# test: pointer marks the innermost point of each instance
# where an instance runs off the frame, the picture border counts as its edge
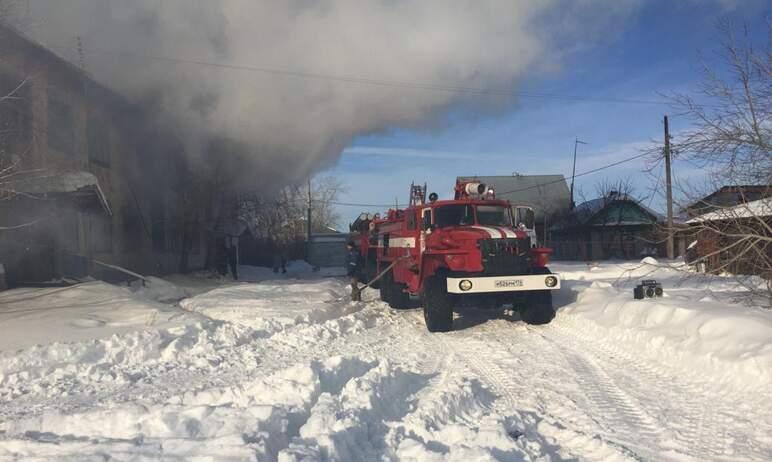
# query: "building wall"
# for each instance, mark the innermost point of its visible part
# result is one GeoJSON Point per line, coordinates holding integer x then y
{"type": "Point", "coordinates": [608, 242]}
{"type": "Point", "coordinates": [60, 105]}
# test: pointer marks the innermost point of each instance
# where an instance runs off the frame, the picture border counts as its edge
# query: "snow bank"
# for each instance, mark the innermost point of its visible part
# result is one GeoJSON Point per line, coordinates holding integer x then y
{"type": "Point", "coordinates": [699, 324]}
{"type": "Point", "coordinates": [272, 307]}
{"type": "Point", "coordinates": [85, 311]}
{"type": "Point", "coordinates": [62, 369]}
{"type": "Point", "coordinates": [340, 408]}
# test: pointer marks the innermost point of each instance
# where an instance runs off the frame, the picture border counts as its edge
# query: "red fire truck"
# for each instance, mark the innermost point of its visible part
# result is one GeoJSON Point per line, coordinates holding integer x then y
{"type": "Point", "coordinates": [474, 250]}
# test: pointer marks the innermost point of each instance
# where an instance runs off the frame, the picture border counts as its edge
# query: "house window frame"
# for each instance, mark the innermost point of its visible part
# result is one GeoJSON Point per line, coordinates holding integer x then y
{"type": "Point", "coordinates": [56, 139]}
{"type": "Point", "coordinates": [99, 155]}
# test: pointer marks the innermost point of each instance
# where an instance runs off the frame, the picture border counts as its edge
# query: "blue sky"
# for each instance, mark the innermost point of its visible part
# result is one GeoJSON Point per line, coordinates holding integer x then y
{"type": "Point", "coordinates": [656, 50]}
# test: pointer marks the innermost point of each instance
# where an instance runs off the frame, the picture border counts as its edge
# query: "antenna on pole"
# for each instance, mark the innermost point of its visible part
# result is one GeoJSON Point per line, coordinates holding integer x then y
{"type": "Point", "coordinates": [308, 212]}
{"type": "Point", "coordinates": [577, 142]}
{"type": "Point", "coordinates": [81, 55]}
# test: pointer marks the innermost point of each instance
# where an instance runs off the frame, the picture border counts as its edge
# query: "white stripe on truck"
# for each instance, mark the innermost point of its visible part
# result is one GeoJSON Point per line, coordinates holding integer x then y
{"type": "Point", "coordinates": [508, 232]}
{"type": "Point", "coordinates": [492, 232]}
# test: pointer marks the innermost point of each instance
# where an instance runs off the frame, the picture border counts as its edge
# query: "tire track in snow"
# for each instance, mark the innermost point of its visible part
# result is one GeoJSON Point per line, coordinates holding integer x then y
{"type": "Point", "coordinates": [543, 370]}
{"type": "Point", "coordinates": [622, 418]}
{"type": "Point", "coordinates": [642, 411]}
{"type": "Point", "coordinates": [696, 420]}
{"type": "Point", "coordinates": [517, 395]}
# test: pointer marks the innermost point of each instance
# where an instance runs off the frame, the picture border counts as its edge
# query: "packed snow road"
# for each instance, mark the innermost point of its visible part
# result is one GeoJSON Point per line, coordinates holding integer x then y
{"type": "Point", "coordinates": [290, 370]}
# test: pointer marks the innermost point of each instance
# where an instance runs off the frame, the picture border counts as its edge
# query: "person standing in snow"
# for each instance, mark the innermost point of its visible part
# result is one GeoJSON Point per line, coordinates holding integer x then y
{"type": "Point", "coordinates": [353, 269]}
{"type": "Point", "coordinates": [279, 261]}
{"type": "Point", "coordinates": [232, 249]}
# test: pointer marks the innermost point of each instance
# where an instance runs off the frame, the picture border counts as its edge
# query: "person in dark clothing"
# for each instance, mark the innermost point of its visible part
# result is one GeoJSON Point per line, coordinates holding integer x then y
{"type": "Point", "coordinates": [221, 256]}
{"type": "Point", "coordinates": [353, 269]}
{"type": "Point", "coordinates": [279, 258]}
{"type": "Point", "coordinates": [231, 245]}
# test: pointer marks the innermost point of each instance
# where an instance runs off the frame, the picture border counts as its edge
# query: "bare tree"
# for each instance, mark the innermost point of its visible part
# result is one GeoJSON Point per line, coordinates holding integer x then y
{"type": "Point", "coordinates": [730, 136]}
{"type": "Point", "coordinates": [14, 120]}
{"type": "Point", "coordinates": [735, 240]}
{"type": "Point", "coordinates": [609, 190]}
{"type": "Point", "coordinates": [282, 218]}
{"type": "Point", "coordinates": [731, 113]}
{"type": "Point", "coordinates": [324, 215]}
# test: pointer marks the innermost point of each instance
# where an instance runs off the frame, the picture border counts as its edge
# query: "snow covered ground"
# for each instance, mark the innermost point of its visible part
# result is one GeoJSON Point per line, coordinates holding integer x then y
{"type": "Point", "coordinates": [286, 368]}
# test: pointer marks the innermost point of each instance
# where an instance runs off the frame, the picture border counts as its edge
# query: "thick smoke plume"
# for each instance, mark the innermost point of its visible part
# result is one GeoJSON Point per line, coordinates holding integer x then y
{"type": "Point", "coordinates": [291, 82]}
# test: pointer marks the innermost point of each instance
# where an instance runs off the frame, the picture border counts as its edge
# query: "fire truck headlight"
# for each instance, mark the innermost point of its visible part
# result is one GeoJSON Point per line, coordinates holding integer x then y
{"type": "Point", "coordinates": [550, 281]}
{"type": "Point", "coordinates": [465, 285]}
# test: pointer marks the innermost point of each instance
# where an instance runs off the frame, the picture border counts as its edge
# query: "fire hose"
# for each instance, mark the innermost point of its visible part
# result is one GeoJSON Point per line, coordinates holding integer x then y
{"type": "Point", "coordinates": [378, 276]}
{"type": "Point", "coordinates": [382, 273]}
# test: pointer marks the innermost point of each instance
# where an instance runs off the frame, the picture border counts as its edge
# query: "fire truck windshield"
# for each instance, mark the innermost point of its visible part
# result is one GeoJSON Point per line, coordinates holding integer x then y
{"type": "Point", "coordinates": [493, 215]}
{"type": "Point", "coordinates": [462, 215]}
{"type": "Point", "coordinates": [453, 215]}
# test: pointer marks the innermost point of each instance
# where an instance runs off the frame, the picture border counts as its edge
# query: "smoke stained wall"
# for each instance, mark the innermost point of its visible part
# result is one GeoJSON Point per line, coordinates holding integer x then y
{"type": "Point", "coordinates": [290, 83]}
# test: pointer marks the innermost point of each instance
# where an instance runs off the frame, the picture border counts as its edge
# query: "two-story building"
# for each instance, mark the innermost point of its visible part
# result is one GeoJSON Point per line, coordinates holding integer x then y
{"type": "Point", "coordinates": [84, 178]}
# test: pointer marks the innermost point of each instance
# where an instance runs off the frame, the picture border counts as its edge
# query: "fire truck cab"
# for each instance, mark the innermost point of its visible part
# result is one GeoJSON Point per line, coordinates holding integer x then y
{"type": "Point", "coordinates": [473, 249]}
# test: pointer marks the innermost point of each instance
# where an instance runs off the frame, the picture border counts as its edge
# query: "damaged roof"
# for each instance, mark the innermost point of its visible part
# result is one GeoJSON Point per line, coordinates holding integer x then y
{"type": "Point", "coordinates": [79, 185]}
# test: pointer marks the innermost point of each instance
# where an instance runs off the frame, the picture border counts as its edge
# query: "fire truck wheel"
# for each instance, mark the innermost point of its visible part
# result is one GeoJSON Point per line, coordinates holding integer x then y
{"type": "Point", "coordinates": [385, 287]}
{"type": "Point", "coordinates": [538, 308]}
{"type": "Point", "coordinates": [437, 305]}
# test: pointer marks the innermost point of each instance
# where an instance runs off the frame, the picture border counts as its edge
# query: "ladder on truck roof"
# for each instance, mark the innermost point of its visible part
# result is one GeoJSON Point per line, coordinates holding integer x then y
{"type": "Point", "coordinates": [417, 194]}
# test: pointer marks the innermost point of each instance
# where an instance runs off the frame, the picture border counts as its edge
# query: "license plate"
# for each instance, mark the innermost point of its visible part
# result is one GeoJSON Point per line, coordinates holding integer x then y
{"type": "Point", "coordinates": [508, 283]}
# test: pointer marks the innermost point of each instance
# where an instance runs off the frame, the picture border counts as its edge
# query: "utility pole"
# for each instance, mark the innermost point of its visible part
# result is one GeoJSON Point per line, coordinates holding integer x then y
{"type": "Point", "coordinates": [577, 142]}
{"type": "Point", "coordinates": [308, 214]}
{"type": "Point", "coordinates": [669, 192]}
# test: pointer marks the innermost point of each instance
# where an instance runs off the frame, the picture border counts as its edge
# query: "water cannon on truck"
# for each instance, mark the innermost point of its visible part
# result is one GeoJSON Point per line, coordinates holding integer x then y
{"type": "Point", "coordinates": [474, 247]}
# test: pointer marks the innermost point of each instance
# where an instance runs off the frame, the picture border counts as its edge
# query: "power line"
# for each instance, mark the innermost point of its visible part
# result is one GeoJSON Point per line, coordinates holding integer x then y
{"type": "Point", "coordinates": [588, 172]}
{"type": "Point", "coordinates": [376, 82]}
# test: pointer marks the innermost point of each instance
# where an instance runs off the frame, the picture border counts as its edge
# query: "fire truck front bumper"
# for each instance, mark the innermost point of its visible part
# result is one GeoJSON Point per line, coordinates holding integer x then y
{"type": "Point", "coordinates": [478, 285]}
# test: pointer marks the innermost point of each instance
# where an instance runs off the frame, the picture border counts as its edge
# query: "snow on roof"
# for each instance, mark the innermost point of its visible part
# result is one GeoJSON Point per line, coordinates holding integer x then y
{"type": "Point", "coordinates": [586, 210]}
{"type": "Point", "coordinates": [59, 182]}
{"type": "Point", "coordinates": [56, 182]}
{"type": "Point", "coordinates": [759, 208]}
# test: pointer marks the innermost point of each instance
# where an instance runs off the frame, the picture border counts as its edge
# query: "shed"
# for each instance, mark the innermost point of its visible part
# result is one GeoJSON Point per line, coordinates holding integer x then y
{"type": "Point", "coordinates": [734, 239]}
{"type": "Point", "coordinates": [327, 250]}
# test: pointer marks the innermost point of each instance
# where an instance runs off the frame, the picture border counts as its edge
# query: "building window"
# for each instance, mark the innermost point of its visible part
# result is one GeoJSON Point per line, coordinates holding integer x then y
{"type": "Point", "coordinates": [98, 141]}
{"type": "Point", "coordinates": [61, 126]}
